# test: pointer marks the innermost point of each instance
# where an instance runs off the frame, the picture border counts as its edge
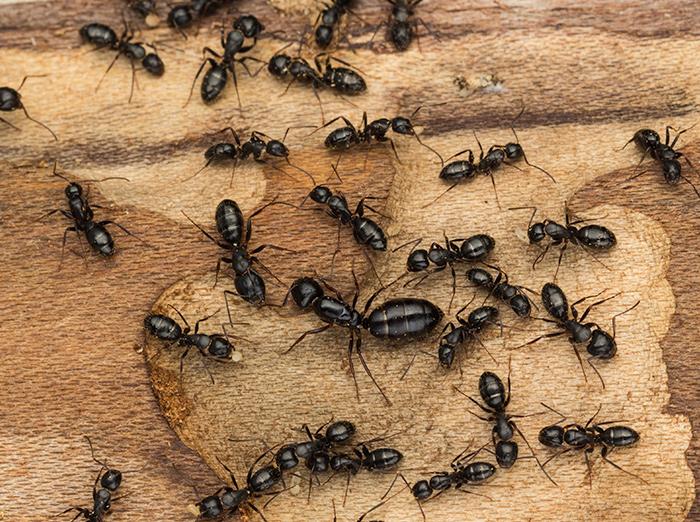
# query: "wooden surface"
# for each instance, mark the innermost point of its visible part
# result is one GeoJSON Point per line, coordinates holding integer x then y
{"type": "Point", "coordinates": [73, 360]}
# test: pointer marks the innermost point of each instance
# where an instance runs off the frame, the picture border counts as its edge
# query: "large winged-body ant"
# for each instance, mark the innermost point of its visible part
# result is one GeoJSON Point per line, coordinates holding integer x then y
{"type": "Point", "coordinates": [588, 237]}
{"type": "Point", "coordinates": [256, 147]}
{"type": "Point", "coordinates": [599, 343]}
{"type": "Point", "coordinates": [664, 153]}
{"type": "Point", "coordinates": [236, 233]}
{"type": "Point", "coordinates": [214, 346]}
{"type": "Point", "coordinates": [103, 36]}
{"type": "Point", "coordinates": [95, 232]}
{"type": "Point", "coordinates": [587, 438]}
{"type": "Point", "coordinates": [102, 499]}
{"type": "Point", "coordinates": [497, 155]}
{"type": "Point", "coordinates": [216, 77]}
{"type": "Point", "coordinates": [400, 319]}
{"type": "Point", "coordinates": [11, 100]}
{"type": "Point", "coordinates": [349, 136]}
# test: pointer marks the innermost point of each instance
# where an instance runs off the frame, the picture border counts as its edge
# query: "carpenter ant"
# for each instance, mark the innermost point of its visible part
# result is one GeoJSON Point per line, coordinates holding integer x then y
{"type": "Point", "coordinates": [587, 438]}
{"type": "Point", "coordinates": [216, 77]}
{"type": "Point", "coordinates": [349, 136]}
{"type": "Point", "coordinates": [103, 36]}
{"type": "Point", "coordinates": [102, 499]}
{"type": "Point", "coordinates": [499, 287]}
{"type": "Point", "coordinates": [227, 500]}
{"type": "Point", "coordinates": [231, 225]}
{"type": "Point", "coordinates": [328, 19]}
{"type": "Point", "coordinates": [96, 233]}
{"type": "Point", "coordinates": [11, 100]}
{"type": "Point", "coordinates": [496, 400]}
{"type": "Point", "coordinates": [402, 24]}
{"type": "Point", "coordinates": [497, 155]}
{"type": "Point", "coordinates": [338, 432]}
{"type": "Point", "coordinates": [213, 346]}
{"type": "Point", "coordinates": [650, 142]}
{"type": "Point", "coordinates": [473, 249]}
{"type": "Point", "coordinates": [257, 145]}
{"type": "Point", "coordinates": [184, 14]}
{"type": "Point", "coordinates": [343, 80]}
{"type": "Point", "coordinates": [143, 7]}
{"type": "Point", "coordinates": [477, 320]}
{"type": "Point", "coordinates": [593, 237]}
{"type": "Point", "coordinates": [399, 319]}
{"type": "Point", "coordinates": [599, 344]}
{"type": "Point", "coordinates": [463, 473]}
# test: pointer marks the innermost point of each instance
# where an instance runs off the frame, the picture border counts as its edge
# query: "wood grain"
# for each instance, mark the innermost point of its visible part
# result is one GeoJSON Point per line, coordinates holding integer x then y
{"type": "Point", "coordinates": [588, 78]}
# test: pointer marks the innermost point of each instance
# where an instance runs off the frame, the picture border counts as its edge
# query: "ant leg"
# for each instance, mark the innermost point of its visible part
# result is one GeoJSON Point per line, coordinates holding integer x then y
{"type": "Point", "coordinates": [484, 346]}
{"type": "Point", "coordinates": [590, 363]}
{"type": "Point", "coordinates": [384, 501]}
{"type": "Point", "coordinates": [133, 80]}
{"type": "Point", "coordinates": [182, 360]}
{"type": "Point", "coordinates": [454, 287]}
{"type": "Point", "coordinates": [541, 256]}
{"type": "Point", "coordinates": [587, 311]}
{"type": "Point", "coordinates": [635, 305]}
{"type": "Point", "coordinates": [493, 182]}
{"type": "Point", "coordinates": [207, 234]}
{"type": "Point", "coordinates": [563, 417]}
{"type": "Point", "coordinates": [471, 155]}
{"type": "Point", "coordinates": [351, 365]}
{"type": "Point", "coordinates": [604, 455]}
{"type": "Point", "coordinates": [545, 336]}
{"type": "Point", "coordinates": [414, 242]}
{"type": "Point", "coordinates": [393, 147]}
{"type": "Point", "coordinates": [561, 255]}
{"type": "Point", "coordinates": [534, 455]}
{"type": "Point", "coordinates": [336, 251]}
{"type": "Point", "coordinates": [309, 332]}
{"type": "Point", "coordinates": [196, 76]}
{"type": "Point", "coordinates": [580, 361]}
{"type": "Point", "coordinates": [445, 192]}
{"type": "Point", "coordinates": [26, 114]}
{"type": "Point", "coordinates": [374, 270]}
{"type": "Point", "coordinates": [126, 230]}
{"type": "Point", "coordinates": [63, 245]}
{"type": "Point", "coordinates": [108, 69]}
{"type": "Point", "coordinates": [358, 350]}
{"type": "Point", "coordinates": [673, 144]}
{"type": "Point", "coordinates": [17, 129]}
{"type": "Point", "coordinates": [474, 401]}
{"type": "Point", "coordinates": [691, 184]}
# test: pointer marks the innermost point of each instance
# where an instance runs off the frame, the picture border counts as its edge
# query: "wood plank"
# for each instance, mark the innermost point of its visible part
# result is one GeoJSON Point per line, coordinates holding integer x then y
{"type": "Point", "coordinates": [588, 77]}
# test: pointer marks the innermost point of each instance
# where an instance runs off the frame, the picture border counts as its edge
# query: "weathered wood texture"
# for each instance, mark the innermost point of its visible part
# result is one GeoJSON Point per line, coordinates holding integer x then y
{"type": "Point", "coordinates": [73, 360]}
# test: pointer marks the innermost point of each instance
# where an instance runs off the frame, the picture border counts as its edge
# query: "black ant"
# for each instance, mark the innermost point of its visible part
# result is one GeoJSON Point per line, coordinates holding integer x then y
{"type": "Point", "coordinates": [328, 19]}
{"type": "Point", "coordinates": [399, 319]}
{"type": "Point", "coordinates": [103, 36]}
{"type": "Point", "coordinates": [402, 24]}
{"type": "Point", "coordinates": [496, 400]}
{"type": "Point", "coordinates": [593, 237]}
{"type": "Point", "coordinates": [349, 136]}
{"type": "Point", "coordinates": [215, 346]}
{"type": "Point", "coordinates": [340, 79]}
{"type": "Point", "coordinates": [143, 7]}
{"type": "Point", "coordinates": [574, 437]}
{"type": "Point", "coordinates": [473, 249]}
{"type": "Point", "coordinates": [184, 14]}
{"type": "Point", "coordinates": [102, 499]}
{"type": "Point", "coordinates": [95, 232]}
{"type": "Point", "coordinates": [501, 289]}
{"type": "Point", "coordinates": [650, 142]}
{"type": "Point", "coordinates": [497, 155]}
{"type": "Point", "coordinates": [463, 473]}
{"type": "Point", "coordinates": [11, 100]}
{"type": "Point", "coordinates": [599, 343]}
{"type": "Point", "coordinates": [216, 77]}
{"type": "Point", "coordinates": [227, 500]}
{"type": "Point", "coordinates": [467, 330]}
{"type": "Point", "coordinates": [257, 145]}
{"type": "Point", "coordinates": [230, 223]}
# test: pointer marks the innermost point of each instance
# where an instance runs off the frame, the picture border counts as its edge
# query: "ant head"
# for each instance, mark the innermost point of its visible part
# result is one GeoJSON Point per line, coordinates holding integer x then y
{"type": "Point", "coordinates": [73, 190]}
{"type": "Point", "coordinates": [180, 16]}
{"type": "Point", "coordinates": [221, 349]}
{"type": "Point", "coordinates": [305, 291]}
{"type": "Point", "coordinates": [153, 64]}
{"type": "Point", "coordinates": [234, 42]}
{"type": "Point", "coordinates": [602, 345]}
{"type": "Point", "coordinates": [646, 138]}
{"type": "Point", "coordinates": [552, 436]}
{"type": "Point", "coordinates": [402, 125]}
{"type": "Point", "coordinates": [277, 148]}
{"type": "Point", "coordinates": [111, 479]}
{"type": "Point", "coordinates": [446, 355]}
{"type": "Point", "coordinates": [513, 151]}
{"type": "Point", "coordinates": [210, 507]}
{"type": "Point", "coordinates": [418, 260]}
{"type": "Point", "coordinates": [320, 194]}
{"type": "Point", "coordinates": [480, 277]}
{"type": "Point", "coordinates": [279, 65]}
{"type": "Point", "coordinates": [9, 99]}
{"type": "Point", "coordinates": [248, 25]}
{"type": "Point", "coordinates": [536, 232]}
{"type": "Point", "coordinates": [421, 490]}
